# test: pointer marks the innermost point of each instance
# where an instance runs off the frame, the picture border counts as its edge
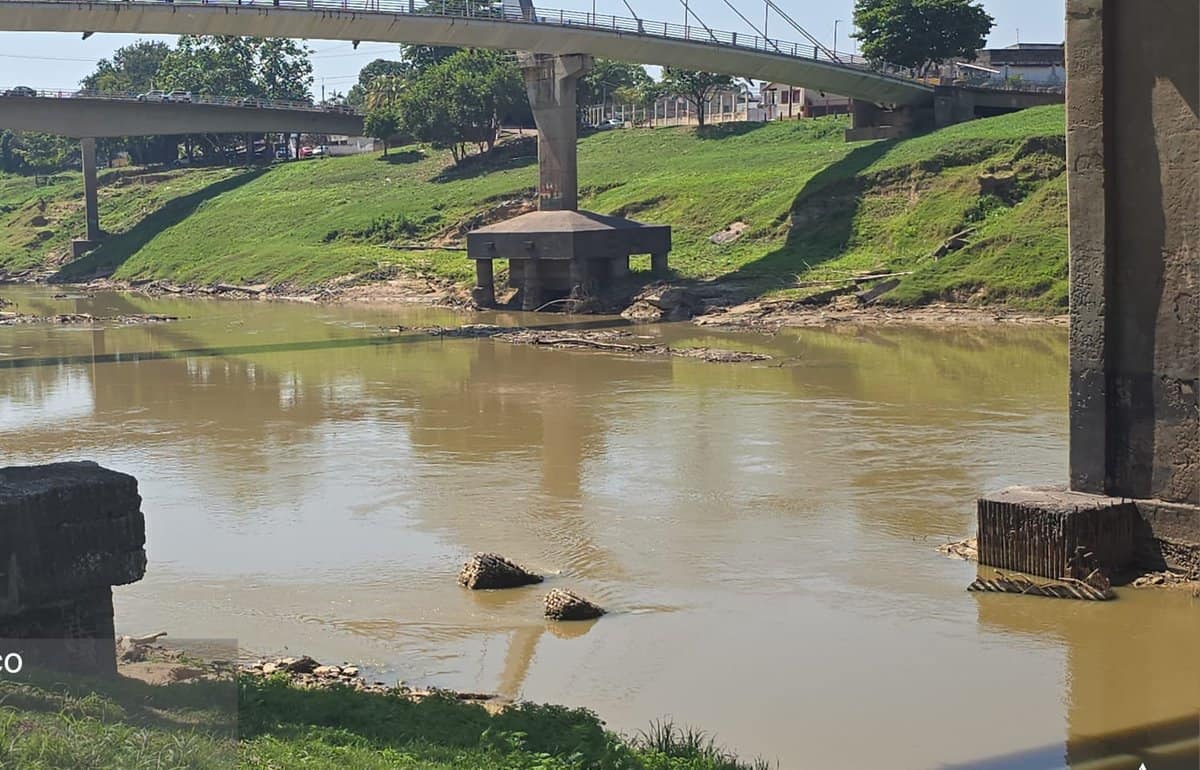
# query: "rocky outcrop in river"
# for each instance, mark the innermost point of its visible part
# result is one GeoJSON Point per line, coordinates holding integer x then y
{"type": "Point", "coordinates": [562, 604]}
{"type": "Point", "coordinates": [491, 570]}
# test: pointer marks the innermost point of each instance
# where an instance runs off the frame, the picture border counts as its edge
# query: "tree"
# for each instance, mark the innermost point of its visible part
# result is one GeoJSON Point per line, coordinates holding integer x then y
{"type": "Point", "coordinates": [607, 77]}
{"type": "Point", "coordinates": [378, 68]}
{"type": "Point", "coordinates": [917, 33]}
{"type": "Point", "coordinates": [461, 101]}
{"type": "Point", "coordinates": [385, 92]}
{"type": "Point", "coordinates": [285, 70]}
{"type": "Point", "coordinates": [697, 87]}
{"type": "Point", "coordinates": [383, 124]}
{"type": "Point", "coordinates": [132, 69]}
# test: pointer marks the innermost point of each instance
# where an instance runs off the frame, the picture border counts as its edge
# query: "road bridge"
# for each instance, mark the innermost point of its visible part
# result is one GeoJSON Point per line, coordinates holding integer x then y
{"type": "Point", "coordinates": [99, 116]}
{"type": "Point", "coordinates": [90, 116]}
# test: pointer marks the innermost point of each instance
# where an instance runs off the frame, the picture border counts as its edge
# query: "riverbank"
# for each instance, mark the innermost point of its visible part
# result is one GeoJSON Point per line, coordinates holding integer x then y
{"type": "Point", "coordinates": [169, 709]}
{"type": "Point", "coordinates": [973, 214]}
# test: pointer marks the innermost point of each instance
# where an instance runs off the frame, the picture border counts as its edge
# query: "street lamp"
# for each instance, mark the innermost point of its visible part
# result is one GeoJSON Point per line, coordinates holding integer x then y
{"type": "Point", "coordinates": [836, 22]}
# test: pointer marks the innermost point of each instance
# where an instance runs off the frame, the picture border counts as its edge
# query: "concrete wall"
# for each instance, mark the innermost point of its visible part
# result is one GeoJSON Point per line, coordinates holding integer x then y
{"type": "Point", "coordinates": [110, 118]}
{"type": "Point", "coordinates": [259, 21]}
{"type": "Point", "coordinates": [1133, 147]}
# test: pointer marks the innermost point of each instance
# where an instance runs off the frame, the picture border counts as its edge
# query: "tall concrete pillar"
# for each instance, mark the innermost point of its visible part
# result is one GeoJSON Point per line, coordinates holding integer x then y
{"type": "Point", "coordinates": [1133, 145]}
{"type": "Point", "coordinates": [1133, 155]}
{"type": "Point", "coordinates": [90, 199]}
{"type": "Point", "coordinates": [551, 84]}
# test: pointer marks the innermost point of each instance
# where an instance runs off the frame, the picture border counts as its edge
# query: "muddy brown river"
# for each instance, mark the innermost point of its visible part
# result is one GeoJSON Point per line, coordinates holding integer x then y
{"type": "Point", "coordinates": [763, 533]}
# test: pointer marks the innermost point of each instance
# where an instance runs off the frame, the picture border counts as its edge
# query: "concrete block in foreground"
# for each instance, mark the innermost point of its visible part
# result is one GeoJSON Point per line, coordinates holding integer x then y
{"type": "Point", "coordinates": [68, 533]}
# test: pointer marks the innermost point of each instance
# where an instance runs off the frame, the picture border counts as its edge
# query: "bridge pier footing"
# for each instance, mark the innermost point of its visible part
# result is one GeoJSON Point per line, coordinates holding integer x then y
{"type": "Point", "coordinates": [1133, 159]}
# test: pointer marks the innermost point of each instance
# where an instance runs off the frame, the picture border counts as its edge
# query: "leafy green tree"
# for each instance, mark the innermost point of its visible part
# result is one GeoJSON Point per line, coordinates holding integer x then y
{"type": "Point", "coordinates": [917, 33]}
{"type": "Point", "coordinates": [460, 101]}
{"type": "Point", "coordinates": [607, 77]}
{"type": "Point", "coordinates": [132, 68]}
{"type": "Point", "coordinates": [697, 87]}
{"type": "Point", "coordinates": [385, 92]}
{"type": "Point", "coordinates": [378, 68]}
{"type": "Point", "coordinates": [274, 68]}
{"type": "Point", "coordinates": [384, 125]}
{"type": "Point", "coordinates": [285, 70]}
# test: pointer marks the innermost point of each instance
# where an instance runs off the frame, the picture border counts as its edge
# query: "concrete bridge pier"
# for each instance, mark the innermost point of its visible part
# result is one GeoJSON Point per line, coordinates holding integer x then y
{"type": "Point", "coordinates": [552, 82]}
{"type": "Point", "coordinates": [559, 252]}
{"type": "Point", "coordinates": [91, 202]}
{"type": "Point", "coordinates": [1133, 155]}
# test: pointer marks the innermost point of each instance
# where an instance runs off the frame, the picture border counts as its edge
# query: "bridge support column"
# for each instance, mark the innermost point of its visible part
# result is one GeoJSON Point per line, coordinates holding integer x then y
{"type": "Point", "coordinates": [484, 292]}
{"type": "Point", "coordinates": [91, 202]}
{"type": "Point", "coordinates": [551, 83]}
{"type": "Point", "coordinates": [1133, 155]}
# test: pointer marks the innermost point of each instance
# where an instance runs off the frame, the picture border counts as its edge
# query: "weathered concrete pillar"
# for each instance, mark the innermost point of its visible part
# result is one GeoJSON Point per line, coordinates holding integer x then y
{"type": "Point", "coordinates": [68, 533]}
{"type": "Point", "coordinates": [551, 83]}
{"type": "Point", "coordinates": [620, 267]}
{"type": "Point", "coordinates": [658, 264]}
{"type": "Point", "coordinates": [90, 185]}
{"type": "Point", "coordinates": [1133, 154]}
{"type": "Point", "coordinates": [531, 288]}
{"type": "Point", "coordinates": [484, 292]}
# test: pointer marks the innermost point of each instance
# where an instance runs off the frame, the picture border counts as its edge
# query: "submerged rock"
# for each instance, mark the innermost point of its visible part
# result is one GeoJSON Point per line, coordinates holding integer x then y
{"type": "Point", "coordinates": [491, 570]}
{"type": "Point", "coordinates": [562, 604]}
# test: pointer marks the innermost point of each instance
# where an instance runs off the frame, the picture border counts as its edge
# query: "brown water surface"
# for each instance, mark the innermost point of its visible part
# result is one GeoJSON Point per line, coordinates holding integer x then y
{"type": "Point", "coordinates": [764, 534]}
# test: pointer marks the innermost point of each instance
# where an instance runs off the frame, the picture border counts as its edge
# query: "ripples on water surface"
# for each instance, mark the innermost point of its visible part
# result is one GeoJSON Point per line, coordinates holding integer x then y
{"type": "Point", "coordinates": [764, 533]}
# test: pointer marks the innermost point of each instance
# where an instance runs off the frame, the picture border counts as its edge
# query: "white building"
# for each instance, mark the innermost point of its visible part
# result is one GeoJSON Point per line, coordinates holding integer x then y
{"type": "Point", "coordinates": [781, 101]}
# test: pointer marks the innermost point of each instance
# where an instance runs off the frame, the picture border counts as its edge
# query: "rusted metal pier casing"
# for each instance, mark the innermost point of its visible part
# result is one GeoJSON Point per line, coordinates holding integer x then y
{"type": "Point", "coordinates": [1036, 530]}
{"type": "Point", "coordinates": [68, 533]}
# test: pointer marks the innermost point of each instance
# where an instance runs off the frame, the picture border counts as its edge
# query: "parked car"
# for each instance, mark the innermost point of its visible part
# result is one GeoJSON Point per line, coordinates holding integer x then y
{"type": "Point", "coordinates": [179, 97]}
{"type": "Point", "coordinates": [24, 91]}
{"type": "Point", "coordinates": [306, 152]}
{"type": "Point", "coordinates": [153, 96]}
{"type": "Point", "coordinates": [320, 151]}
{"type": "Point", "coordinates": [611, 123]}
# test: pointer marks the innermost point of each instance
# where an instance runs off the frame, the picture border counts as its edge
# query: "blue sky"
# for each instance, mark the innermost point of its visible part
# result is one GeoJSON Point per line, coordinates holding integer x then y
{"type": "Point", "coordinates": [58, 61]}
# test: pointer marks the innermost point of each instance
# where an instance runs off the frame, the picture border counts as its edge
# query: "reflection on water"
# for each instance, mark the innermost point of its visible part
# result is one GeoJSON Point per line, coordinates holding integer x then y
{"type": "Point", "coordinates": [763, 534]}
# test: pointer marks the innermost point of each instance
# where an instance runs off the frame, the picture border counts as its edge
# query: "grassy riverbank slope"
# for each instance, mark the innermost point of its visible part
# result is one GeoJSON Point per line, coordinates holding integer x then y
{"type": "Point", "coordinates": [270, 724]}
{"type": "Point", "coordinates": [815, 209]}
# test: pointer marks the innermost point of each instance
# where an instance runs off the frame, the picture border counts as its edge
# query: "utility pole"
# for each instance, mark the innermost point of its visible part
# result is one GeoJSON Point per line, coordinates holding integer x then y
{"type": "Point", "coordinates": [766, 18]}
{"type": "Point", "coordinates": [836, 22]}
{"type": "Point", "coordinates": [685, 19]}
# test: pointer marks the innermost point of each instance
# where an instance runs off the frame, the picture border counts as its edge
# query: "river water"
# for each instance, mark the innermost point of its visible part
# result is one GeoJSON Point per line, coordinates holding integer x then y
{"type": "Point", "coordinates": [764, 534]}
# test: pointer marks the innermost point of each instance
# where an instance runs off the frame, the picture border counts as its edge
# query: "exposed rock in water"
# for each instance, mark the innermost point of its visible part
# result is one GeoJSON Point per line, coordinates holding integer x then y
{"type": "Point", "coordinates": [490, 570]}
{"type": "Point", "coordinates": [562, 604]}
{"type": "Point", "coordinates": [612, 341]}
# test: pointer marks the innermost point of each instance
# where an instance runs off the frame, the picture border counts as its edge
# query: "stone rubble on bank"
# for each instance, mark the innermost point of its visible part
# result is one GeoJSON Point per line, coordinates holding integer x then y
{"type": "Point", "coordinates": [306, 672]}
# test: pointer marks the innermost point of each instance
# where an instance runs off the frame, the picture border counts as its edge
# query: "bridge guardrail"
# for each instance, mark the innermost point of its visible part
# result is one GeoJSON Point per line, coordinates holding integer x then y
{"type": "Point", "coordinates": [253, 102]}
{"type": "Point", "coordinates": [499, 10]}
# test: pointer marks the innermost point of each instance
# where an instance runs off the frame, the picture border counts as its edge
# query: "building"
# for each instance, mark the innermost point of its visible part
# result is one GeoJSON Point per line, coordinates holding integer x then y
{"type": "Point", "coordinates": [1032, 63]}
{"type": "Point", "coordinates": [781, 101]}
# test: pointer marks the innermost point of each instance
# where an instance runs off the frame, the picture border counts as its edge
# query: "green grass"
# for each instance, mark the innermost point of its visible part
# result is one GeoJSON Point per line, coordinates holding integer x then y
{"type": "Point", "coordinates": [128, 725]}
{"type": "Point", "coordinates": [817, 209]}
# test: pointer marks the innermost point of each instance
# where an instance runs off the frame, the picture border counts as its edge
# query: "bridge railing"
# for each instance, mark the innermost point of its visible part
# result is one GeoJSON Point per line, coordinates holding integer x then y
{"type": "Point", "coordinates": [251, 102]}
{"type": "Point", "coordinates": [509, 11]}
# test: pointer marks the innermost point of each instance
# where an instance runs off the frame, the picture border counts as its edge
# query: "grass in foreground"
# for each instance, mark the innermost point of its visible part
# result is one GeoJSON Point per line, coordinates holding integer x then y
{"type": "Point", "coordinates": [816, 207]}
{"type": "Point", "coordinates": [130, 725]}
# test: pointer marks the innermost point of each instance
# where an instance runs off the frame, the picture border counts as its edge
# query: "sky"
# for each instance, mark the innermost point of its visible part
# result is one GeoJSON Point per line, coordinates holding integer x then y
{"type": "Point", "coordinates": [58, 61]}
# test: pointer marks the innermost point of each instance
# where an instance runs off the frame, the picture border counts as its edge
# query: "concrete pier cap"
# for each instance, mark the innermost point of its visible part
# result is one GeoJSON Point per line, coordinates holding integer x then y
{"type": "Point", "coordinates": [1133, 158]}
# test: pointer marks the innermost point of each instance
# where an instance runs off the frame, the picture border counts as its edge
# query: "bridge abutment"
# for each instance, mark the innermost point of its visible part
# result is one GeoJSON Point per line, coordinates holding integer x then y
{"type": "Point", "coordinates": [1133, 154]}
